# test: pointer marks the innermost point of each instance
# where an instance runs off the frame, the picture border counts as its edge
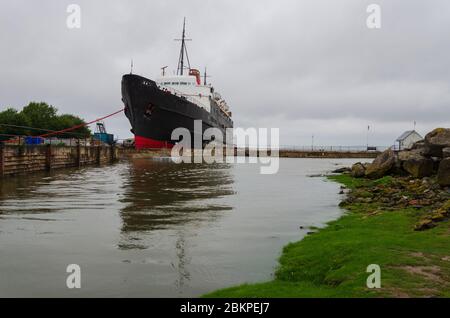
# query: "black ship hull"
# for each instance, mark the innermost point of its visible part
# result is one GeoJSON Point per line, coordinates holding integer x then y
{"type": "Point", "coordinates": [154, 113]}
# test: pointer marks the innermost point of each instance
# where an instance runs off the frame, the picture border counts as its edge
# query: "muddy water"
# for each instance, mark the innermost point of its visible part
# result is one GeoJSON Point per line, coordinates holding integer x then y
{"type": "Point", "coordinates": [145, 228]}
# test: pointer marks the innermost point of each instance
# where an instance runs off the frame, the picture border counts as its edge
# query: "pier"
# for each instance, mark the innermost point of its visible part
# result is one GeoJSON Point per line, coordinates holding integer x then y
{"type": "Point", "coordinates": [331, 154]}
{"type": "Point", "coordinates": [335, 152]}
{"type": "Point", "coordinates": [23, 159]}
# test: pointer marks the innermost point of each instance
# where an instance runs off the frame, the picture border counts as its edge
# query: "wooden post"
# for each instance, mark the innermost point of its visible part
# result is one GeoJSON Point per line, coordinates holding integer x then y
{"type": "Point", "coordinates": [99, 149]}
{"type": "Point", "coordinates": [112, 154]}
{"type": "Point", "coordinates": [78, 154]}
{"type": "Point", "coordinates": [86, 152]}
{"type": "Point", "coordinates": [2, 159]}
{"type": "Point", "coordinates": [48, 157]}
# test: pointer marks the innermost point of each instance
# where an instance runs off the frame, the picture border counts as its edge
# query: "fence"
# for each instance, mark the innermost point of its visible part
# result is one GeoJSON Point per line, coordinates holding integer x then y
{"type": "Point", "coordinates": [333, 148]}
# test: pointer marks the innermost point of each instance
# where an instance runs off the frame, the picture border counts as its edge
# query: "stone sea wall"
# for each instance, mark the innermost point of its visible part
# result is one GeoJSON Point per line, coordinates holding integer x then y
{"type": "Point", "coordinates": [27, 159]}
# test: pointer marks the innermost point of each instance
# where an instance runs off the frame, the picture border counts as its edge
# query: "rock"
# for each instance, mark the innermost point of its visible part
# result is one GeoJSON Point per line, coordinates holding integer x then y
{"type": "Point", "coordinates": [424, 225]}
{"type": "Point", "coordinates": [438, 215]}
{"type": "Point", "coordinates": [358, 170]}
{"type": "Point", "coordinates": [405, 155]}
{"type": "Point", "coordinates": [418, 145]}
{"type": "Point", "coordinates": [443, 176]}
{"type": "Point", "coordinates": [446, 152]}
{"type": "Point", "coordinates": [342, 170]}
{"type": "Point", "coordinates": [419, 167]}
{"type": "Point", "coordinates": [436, 141]}
{"type": "Point", "coordinates": [413, 162]}
{"type": "Point", "coordinates": [381, 165]}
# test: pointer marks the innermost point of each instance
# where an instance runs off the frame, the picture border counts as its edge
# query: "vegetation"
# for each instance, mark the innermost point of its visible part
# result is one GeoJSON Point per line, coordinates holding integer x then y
{"type": "Point", "coordinates": [42, 118]}
{"type": "Point", "coordinates": [333, 261]}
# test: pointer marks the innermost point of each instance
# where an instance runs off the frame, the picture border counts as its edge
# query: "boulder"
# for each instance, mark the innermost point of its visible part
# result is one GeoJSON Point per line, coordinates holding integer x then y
{"type": "Point", "coordinates": [436, 162]}
{"type": "Point", "coordinates": [381, 165]}
{"type": "Point", "coordinates": [443, 176]}
{"type": "Point", "coordinates": [446, 152]}
{"type": "Point", "coordinates": [358, 170]}
{"type": "Point", "coordinates": [418, 145]}
{"type": "Point", "coordinates": [436, 141]}
{"type": "Point", "coordinates": [415, 164]}
{"type": "Point", "coordinates": [405, 155]}
{"type": "Point", "coordinates": [419, 167]}
{"type": "Point", "coordinates": [424, 225]}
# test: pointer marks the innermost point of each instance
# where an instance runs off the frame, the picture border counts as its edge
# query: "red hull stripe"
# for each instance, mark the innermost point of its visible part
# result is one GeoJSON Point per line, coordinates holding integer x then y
{"type": "Point", "coordinates": [147, 143]}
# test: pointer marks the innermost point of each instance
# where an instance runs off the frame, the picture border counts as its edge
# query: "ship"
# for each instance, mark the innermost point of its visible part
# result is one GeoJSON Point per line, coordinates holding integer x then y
{"type": "Point", "coordinates": [155, 108]}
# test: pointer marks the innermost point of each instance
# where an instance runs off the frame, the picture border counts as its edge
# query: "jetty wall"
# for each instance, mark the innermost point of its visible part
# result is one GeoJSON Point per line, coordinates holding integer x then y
{"type": "Point", "coordinates": [325, 154]}
{"type": "Point", "coordinates": [329, 154]}
{"type": "Point", "coordinates": [32, 158]}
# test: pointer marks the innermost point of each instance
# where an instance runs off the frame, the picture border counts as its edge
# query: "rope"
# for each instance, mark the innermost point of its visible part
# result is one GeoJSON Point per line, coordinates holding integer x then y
{"type": "Point", "coordinates": [81, 125]}
{"type": "Point", "coordinates": [37, 129]}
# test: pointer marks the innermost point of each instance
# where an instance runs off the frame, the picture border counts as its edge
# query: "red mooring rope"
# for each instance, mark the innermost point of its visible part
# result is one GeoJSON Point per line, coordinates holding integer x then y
{"type": "Point", "coordinates": [82, 125]}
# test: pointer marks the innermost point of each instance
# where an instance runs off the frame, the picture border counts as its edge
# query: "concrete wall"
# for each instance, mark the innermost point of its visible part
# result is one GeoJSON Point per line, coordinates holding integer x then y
{"type": "Point", "coordinates": [27, 159]}
{"type": "Point", "coordinates": [329, 154]}
{"type": "Point", "coordinates": [144, 153]}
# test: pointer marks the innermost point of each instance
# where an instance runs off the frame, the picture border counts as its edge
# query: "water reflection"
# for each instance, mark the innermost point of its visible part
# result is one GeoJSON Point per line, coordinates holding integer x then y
{"type": "Point", "coordinates": [88, 189]}
{"type": "Point", "coordinates": [184, 275]}
{"type": "Point", "coordinates": [162, 195]}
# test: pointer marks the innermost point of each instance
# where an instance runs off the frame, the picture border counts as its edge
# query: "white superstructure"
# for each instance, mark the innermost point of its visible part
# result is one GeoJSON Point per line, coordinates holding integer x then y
{"type": "Point", "coordinates": [190, 87]}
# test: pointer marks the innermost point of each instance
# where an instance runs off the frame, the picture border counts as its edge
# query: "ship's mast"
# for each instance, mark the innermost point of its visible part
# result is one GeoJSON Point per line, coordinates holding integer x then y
{"type": "Point", "coordinates": [205, 76]}
{"type": "Point", "coordinates": [183, 51]}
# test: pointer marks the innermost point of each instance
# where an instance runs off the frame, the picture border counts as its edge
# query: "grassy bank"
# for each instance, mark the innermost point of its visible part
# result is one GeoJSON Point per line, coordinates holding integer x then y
{"type": "Point", "coordinates": [333, 261]}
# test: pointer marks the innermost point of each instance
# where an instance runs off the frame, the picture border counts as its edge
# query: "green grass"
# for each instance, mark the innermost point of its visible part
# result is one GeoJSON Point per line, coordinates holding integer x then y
{"type": "Point", "coordinates": [333, 262]}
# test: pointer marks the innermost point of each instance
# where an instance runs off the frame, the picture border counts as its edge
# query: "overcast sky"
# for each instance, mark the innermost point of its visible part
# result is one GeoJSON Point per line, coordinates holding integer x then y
{"type": "Point", "coordinates": [309, 67]}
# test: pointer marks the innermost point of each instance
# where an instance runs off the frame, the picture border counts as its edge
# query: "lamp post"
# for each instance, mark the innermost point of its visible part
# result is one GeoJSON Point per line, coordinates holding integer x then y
{"type": "Point", "coordinates": [367, 137]}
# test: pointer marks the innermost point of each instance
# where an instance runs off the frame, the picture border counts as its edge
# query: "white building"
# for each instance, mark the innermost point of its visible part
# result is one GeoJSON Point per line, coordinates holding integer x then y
{"type": "Point", "coordinates": [408, 139]}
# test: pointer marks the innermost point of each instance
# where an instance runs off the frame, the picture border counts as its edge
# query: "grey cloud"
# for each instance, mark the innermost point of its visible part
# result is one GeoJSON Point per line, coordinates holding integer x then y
{"type": "Point", "coordinates": [308, 67]}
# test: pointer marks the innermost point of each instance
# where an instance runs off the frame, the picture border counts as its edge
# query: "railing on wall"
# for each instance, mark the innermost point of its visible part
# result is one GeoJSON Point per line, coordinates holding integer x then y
{"type": "Point", "coordinates": [333, 148]}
